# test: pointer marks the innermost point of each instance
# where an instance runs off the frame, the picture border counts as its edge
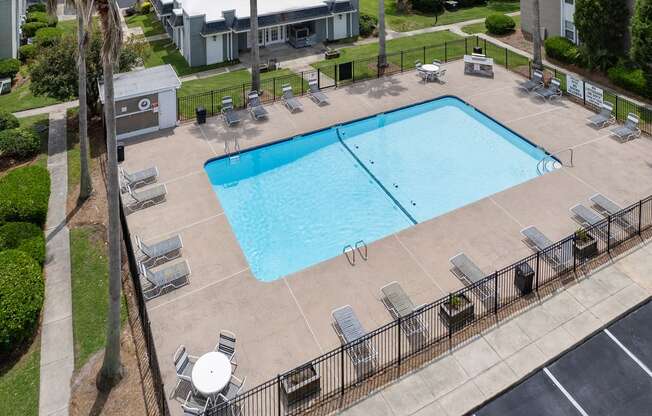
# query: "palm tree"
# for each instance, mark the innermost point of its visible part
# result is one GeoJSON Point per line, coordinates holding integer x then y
{"type": "Point", "coordinates": [382, 53]}
{"type": "Point", "coordinates": [111, 371]}
{"type": "Point", "coordinates": [536, 35]}
{"type": "Point", "coordinates": [255, 52]}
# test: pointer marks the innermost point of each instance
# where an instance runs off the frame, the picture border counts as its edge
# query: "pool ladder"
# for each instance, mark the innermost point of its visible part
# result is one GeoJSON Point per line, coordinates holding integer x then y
{"type": "Point", "coordinates": [349, 251]}
{"type": "Point", "coordinates": [234, 156]}
{"type": "Point", "coordinates": [542, 165]}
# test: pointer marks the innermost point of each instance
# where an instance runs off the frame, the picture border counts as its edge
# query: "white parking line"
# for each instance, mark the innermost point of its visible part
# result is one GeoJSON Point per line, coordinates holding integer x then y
{"type": "Point", "coordinates": [565, 392]}
{"type": "Point", "coordinates": [628, 352]}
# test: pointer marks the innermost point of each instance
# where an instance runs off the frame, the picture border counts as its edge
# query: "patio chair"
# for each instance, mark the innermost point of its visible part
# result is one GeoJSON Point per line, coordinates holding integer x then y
{"type": "Point", "coordinates": [399, 305]}
{"type": "Point", "coordinates": [232, 389]}
{"type": "Point", "coordinates": [228, 113]}
{"type": "Point", "coordinates": [439, 76]}
{"type": "Point", "coordinates": [165, 250]}
{"type": "Point", "coordinates": [256, 109]}
{"type": "Point", "coordinates": [531, 84]}
{"type": "Point", "coordinates": [226, 345]}
{"type": "Point", "coordinates": [139, 178]}
{"type": "Point", "coordinates": [291, 102]}
{"type": "Point", "coordinates": [417, 64]}
{"type": "Point", "coordinates": [470, 274]}
{"type": "Point", "coordinates": [604, 117]}
{"type": "Point", "coordinates": [561, 257]}
{"type": "Point", "coordinates": [551, 92]}
{"type": "Point", "coordinates": [609, 207]}
{"type": "Point", "coordinates": [195, 404]}
{"type": "Point", "coordinates": [630, 130]}
{"type": "Point", "coordinates": [316, 94]}
{"type": "Point", "coordinates": [153, 195]}
{"type": "Point", "coordinates": [350, 331]}
{"type": "Point", "coordinates": [183, 363]}
{"type": "Point", "coordinates": [173, 276]}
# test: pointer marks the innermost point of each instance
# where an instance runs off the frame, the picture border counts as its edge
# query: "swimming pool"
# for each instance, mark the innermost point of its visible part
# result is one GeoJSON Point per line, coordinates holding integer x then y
{"type": "Point", "coordinates": [298, 202]}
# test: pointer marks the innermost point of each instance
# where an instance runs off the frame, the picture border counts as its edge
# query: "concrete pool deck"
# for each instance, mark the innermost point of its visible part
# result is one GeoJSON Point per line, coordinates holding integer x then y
{"type": "Point", "coordinates": [286, 322]}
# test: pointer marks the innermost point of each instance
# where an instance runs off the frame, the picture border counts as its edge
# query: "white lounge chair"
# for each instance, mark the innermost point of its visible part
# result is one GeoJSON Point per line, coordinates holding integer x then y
{"type": "Point", "coordinates": [630, 130]}
{"type": "Point", "coordinates": [256, 109]}
{"type": "Point", "coordinates": [560, 257]}
{"type": "Point", "coordinates": [470, 274]}
{"type": "Point", "coordinates": [291, 102]}
{"type": "Point", "coordinates": [139, 178]}
{"type": "Point", "coordinates": [551, 92]}
{"type": "Point", "coordinates": [604, 117]}
{"type": "Point", "coordinates": [534, 83]}
{"type": "Point", "coordinates": [146, 197]}
{"type": "Point", "coordinates": [350, 330]}
{"type": "Point", "coordinates": [164, 250]}
{"type": "Point", "coordinates": [228, 113]}
{"type": "Point", "coordinates": [609, 207]}
{"type": "Point", "coordinates": [173, 276]}
{"type": "Point", "coordinates": [316, 94]}
{"type": "Point", "coordinates": [399, 305]}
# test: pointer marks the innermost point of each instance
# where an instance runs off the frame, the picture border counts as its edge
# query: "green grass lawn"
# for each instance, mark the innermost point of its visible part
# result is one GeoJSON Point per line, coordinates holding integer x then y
{"type": "Point", "coordinates": [406, 22]}
{"type": "Point", "coordinates": [150, 24]}
{"type": "Point", "coordinates": [165, 52]}
{"type": "Point", "coordinates": [69, 27]}
{"type": "Point", "coordinates": [21, 98]}
{"type": "Point", "coordinates": [481, 28]}
{"type": "Point", "coordinates": [19, 383]}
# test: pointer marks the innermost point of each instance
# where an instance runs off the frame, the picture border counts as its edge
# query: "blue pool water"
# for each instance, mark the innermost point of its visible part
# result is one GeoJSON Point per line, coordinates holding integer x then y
{"type": "Point", "coordinates": [300, 201]}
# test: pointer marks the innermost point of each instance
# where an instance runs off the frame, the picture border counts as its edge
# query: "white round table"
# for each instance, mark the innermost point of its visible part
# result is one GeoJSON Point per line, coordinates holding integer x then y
{"type": "Point", "coordinates": [211, 373]}
{"type": "Point", "coordinates": [430, 68]}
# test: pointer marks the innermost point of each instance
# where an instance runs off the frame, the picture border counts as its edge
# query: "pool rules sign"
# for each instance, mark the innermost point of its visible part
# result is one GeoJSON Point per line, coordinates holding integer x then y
{"type": "Point", "coordinates": [586, 92]}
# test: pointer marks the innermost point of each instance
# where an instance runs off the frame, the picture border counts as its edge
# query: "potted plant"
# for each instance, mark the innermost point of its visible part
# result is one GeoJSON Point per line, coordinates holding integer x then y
{"type": "Point", "coordinates": [300, 383]}
{"type": "Point", "coordinates": [457, 311]}
{"type": "Point", "coordinates": [331, 53]}
{"type": "Point", "coordinates": [585, 245]}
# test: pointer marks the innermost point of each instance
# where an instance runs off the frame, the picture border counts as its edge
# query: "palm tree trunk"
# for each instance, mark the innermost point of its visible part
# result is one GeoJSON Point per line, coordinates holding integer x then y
{"type": "Point", "coordinates": [111, 371]}
{"type": "Point", "coordinates": [536, 35]}
{"type": "Point", "coordinates": [86, 185]}
{"type": "Point", "coordinates": [382, 53]}
{"type": "Point", "coordinates": [255, 51]}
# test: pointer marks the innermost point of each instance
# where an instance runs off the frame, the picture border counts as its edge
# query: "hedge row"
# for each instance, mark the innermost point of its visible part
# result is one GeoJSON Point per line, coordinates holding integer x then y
{"type": "Point", "coordinates": [499, 24]}
{"type": "Point", "coordinates": [25, 237]}
{"type": "Point", "coordinates": [25, 192]}
{"type": "Point", "coordinates": [561, 49]}
{"type": "Point", "coordinates": [632, 79]}
{"type": "Point", "coordinates": [19, 142]}
{"type": "Point", "coordinates": [8, 121]}
{"type": "Point", "coordinates": [9, 68]}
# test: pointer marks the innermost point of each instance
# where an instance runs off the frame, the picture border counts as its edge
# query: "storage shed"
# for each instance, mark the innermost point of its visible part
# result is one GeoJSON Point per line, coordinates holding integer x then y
{"type": "Point", "coordinates": [145, 100]}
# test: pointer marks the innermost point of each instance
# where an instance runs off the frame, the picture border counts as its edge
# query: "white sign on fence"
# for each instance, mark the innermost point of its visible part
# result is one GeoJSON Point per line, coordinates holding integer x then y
{"type": "Point", "coordinates": [594, 95]}
{"type": "Point", "coordinates": [575, 86]}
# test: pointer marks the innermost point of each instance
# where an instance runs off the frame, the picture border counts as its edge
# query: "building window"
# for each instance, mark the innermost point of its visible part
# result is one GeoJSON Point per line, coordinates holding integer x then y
{"type": "Point", "coordinates": [273, 33]}
{"type": "Point", "coordinates": [569, 1]}
{"type": "Point", "coordinates": [260, 37]}
{"type": "Point", "coordinates": [569, 30]}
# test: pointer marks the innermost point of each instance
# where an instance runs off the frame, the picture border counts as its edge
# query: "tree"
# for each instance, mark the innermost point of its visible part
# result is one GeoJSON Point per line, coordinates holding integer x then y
{"type": "Point", "coordinates": [83, 20]}
{"type": "Point", "coordinates": [641, 50]}
{"type": "Point", "coordinates": [111, 372]}
{"type": "Point", "coordinates": [536, 35]}
{"type": "Point", "coordinates": [255, 51]}
{"type": "Point", "coordinates": [382, 52]}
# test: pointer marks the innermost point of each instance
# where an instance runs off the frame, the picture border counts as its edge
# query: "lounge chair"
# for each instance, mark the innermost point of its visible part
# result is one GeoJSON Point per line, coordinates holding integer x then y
{"type": "Point", "coordinates": [551, 92]}
{"type": "Point", "coordinates": [228, 113]}
{"type": "Point", "coordinates": [630, 130]}
{"type": "Point", "coordinates": [534, 83]}
{"type": "Point", "coordinates": [609, 207]}
{"type": "Point", "coordinates": [175, 276]}
{"type": "Point", "coordinates": [561, 257]}
{"type": "Point", "coordinates": [140, 178]}
{"type": "Point", "coordinates": [316, 94]}
{"type": "Point", "coordinates": [195, 405]}
{"type": "Point", "coordinates": [604, 117]}
{"type": "Point", "coordinates": [226, 345]}
{"type": "Point", "coordinates": [591, 220]}
{"type": "Point", "coordinates": [165, 250]}
{"type": "Point", "coordinates": [183, 363]}
{"type": "Point", "coordinates": [291, 102]}
{"type": "Point", "coordinates": [147, 197]}
{"type": "Point", "coordinates": [256, 109]}
{"type": "Point", "coordinates": [470, 274]}
{"type": "Point", "coordinates": [349, 329]}
{"type": "Point", "coordinates": [400, 306]}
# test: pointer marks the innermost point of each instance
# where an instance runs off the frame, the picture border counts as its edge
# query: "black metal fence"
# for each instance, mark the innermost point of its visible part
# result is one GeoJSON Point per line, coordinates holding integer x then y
{"type": "Point", "coordinates": [340, 376]}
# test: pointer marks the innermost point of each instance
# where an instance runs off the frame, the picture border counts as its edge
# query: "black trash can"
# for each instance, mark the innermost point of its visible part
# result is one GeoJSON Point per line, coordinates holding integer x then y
{"type": "Point", "coordinates": [200, 112]}
{"type": "Point", "coordinates": [121, 153]}
{"type": "Point", "coordinates": [477, 49]}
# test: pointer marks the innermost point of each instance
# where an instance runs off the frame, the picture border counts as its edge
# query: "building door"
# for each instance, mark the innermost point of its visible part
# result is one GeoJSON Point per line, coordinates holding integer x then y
{"type": "Point", "coordinates": [167, 109]}
{"type": "Point", "coordinates": [339, 26]}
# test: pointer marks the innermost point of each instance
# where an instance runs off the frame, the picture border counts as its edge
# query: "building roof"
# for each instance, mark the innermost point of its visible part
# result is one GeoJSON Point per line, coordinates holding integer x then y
{"type": "Point", "coordinates": [143, 82]}
{"type": "Point", "coordinates": [213, 10]}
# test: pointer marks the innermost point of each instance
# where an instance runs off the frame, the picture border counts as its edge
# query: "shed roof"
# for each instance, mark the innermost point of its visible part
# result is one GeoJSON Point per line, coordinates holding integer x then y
{"type": "Point", "coordinates": [142, 82]}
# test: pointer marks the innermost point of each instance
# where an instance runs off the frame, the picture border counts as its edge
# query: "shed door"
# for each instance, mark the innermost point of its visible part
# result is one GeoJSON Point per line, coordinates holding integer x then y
{"type": "Point", "coordinates": [167, 109]}
{"type": "Point", "coordinates": [339, 26]}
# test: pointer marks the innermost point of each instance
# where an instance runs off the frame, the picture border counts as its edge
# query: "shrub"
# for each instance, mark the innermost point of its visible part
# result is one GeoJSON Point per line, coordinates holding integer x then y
{"type": "Point", "coordinates": [562, 49]}
{"type": "Point", "coordinates": [19, 142]}
{"type": "Point", "coordinates": [25, 192]}
{"type": "Point", "coordinates": [428, 6]}
{"type": "Point", "coordinates": [27, 53]}
{"type": "Point", "coordinates": [29, 29]}
{"type": "Point", "coordinates": [9, 68]}
{"type": "Point", "coordinates": [21, 298]}
{"type": "Point", "coordinates": [41, 17]}
{"type": "Point", "coordinates": [367, 24]}
{"type": "Point", "coordinates": [48, 36]}
{"type": "Point", "coordinates": [23, 236]}
{"type": "Point", "coordinates": [38, 7]}
{"type": "Point", "coordinates": [631, 79]}
{"type": "Point", "coordinates": [499, 24]}
{"type": "Point", "coordinates": [471, 3]}
{"type": "Point", "coordinates": [146, 8]}
{"type": "Point", "coordinates": [8, 121]}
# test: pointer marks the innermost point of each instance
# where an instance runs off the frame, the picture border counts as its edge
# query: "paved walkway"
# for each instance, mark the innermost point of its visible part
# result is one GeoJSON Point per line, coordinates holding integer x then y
{"type": "Point", "coordinates": [57, 351]}
{"type": "Point", "coordinates": [478, 371]}
{"type": "Point", "coordinates": [54, 108]}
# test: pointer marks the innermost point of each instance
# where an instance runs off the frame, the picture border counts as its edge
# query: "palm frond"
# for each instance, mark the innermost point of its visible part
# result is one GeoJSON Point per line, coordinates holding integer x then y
{"type": "Point", "coordinates": [111, 29]}
{"type": "Point", "coordinates": [51, 7]}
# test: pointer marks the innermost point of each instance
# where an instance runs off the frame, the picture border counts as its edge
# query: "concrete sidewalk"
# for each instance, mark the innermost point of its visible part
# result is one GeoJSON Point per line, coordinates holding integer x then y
{"type": "Point", "coordinates": [57, 346]}
{"type": "Point", "coordinates": [54, 108]}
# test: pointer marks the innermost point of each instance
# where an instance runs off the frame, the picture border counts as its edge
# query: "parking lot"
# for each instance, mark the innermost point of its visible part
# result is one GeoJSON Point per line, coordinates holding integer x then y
{"type": "Point", "coordinates": [608, 374]}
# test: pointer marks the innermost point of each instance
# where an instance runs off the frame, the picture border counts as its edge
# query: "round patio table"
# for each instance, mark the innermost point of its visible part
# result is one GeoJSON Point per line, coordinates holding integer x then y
{"type": "Point", "coordinates": [211, 373]}
{"type": "Point", "coordinates": [430, 68]}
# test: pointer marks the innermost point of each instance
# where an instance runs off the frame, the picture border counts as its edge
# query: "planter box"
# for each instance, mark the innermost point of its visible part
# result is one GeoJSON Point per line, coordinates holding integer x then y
{"type": "Point", "coordinates": [300, 384]}
{"type": "Point", "coordinates": [456, 317]}
{"type": "Point", "coordinates": [332, 54]}
{"type": "Point", "coordinates": [523, 278]}
{"type": "Point", "coordinates": [585, 250]}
